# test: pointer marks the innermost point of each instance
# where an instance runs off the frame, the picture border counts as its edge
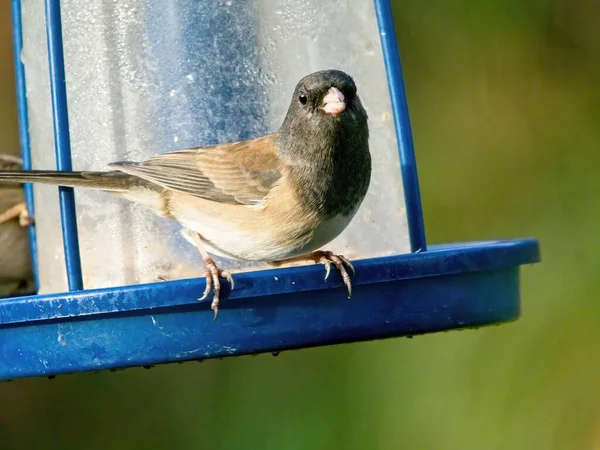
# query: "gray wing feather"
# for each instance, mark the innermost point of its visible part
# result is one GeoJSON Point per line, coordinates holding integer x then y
{"type": "Point", "coordinates": [231, 173]}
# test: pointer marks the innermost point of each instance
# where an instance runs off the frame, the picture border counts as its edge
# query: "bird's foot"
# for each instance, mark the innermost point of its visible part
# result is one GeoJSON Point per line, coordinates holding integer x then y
{"type": "Point", "coordinates": [24, 218]}
{"type": "Point", "coordinates": [212, 274]}
{"type": "Point", "coordinates": [18, 211]}
{"type": "Point", "coordinates": [339, 261]}
{"type": "Point", "coordinates": [327, 259]}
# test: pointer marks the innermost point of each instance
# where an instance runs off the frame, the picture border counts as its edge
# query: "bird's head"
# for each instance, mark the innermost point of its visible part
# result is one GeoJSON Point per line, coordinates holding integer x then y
{"type": "Point", "coordinates": [328, 93]}
{"type": "Point", "coordinates": [324, 105]}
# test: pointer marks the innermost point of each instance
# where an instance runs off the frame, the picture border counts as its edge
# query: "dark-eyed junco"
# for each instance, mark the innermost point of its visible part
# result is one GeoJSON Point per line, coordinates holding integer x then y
{"type": "Point", "coordinates": [16, 275]}
{"type": "Point", "coordinates": [275, 198]}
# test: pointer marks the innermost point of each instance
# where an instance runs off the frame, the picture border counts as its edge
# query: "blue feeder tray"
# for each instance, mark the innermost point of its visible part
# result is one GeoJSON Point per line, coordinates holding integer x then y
{"type": "Point", "coordinates": [432, 289]}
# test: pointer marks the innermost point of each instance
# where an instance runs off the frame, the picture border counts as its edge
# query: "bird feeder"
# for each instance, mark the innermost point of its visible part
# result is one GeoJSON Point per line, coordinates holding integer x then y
{"type": "Point", "coordinates": [109, 81]}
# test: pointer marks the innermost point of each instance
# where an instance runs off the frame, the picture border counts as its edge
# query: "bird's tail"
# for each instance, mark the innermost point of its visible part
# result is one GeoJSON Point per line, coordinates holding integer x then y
{"type": "Point", "coordinates": [109, 181]}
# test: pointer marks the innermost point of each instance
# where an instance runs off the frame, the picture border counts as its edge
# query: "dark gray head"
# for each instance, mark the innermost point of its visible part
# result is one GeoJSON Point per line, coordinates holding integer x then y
{"type": "Point", "coordinates": [325, 138]}
{"type": "Point", "coordinates": [325, 110]}
{"type": "Point", "coordinates": [327, 95]}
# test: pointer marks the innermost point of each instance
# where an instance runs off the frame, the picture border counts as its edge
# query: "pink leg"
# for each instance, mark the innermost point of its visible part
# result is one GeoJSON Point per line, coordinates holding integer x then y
{"type": "Point", "coordinates": [326, 258]}
{"type": "Point", "coordinates": [20, 211]}
{"type": "Point", "coordinates": [212, 274]}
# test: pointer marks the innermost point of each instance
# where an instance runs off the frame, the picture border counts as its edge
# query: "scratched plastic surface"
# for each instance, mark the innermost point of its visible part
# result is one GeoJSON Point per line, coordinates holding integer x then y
{"type": "Point", "coordinates": [145, 78]}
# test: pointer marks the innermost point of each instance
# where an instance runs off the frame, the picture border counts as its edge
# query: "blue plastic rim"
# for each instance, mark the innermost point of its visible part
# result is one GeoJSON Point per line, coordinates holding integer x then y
{"type": "Point", "coordinates": [430, 289]}
{"type": "Point", "coordinates": [447, 287]}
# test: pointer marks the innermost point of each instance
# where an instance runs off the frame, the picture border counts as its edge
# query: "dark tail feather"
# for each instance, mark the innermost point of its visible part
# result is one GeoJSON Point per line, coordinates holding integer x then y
{"type": "Point", "coordinates": [108, 181]}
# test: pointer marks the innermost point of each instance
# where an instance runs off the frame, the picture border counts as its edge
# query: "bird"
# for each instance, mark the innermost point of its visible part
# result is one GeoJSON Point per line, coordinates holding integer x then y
{"type": "Point", "coordinates": [276, 198]}
{"type": "Point", "coordinates": [16, 273]}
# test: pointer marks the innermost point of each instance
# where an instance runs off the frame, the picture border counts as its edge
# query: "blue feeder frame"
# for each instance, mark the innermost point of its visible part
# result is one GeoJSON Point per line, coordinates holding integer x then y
{"type": "Point", "coordinates": [437, 288]}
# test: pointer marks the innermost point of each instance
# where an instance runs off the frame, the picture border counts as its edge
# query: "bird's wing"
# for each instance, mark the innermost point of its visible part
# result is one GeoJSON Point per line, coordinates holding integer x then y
{"type": "Point", "coordinates": [238, 173]}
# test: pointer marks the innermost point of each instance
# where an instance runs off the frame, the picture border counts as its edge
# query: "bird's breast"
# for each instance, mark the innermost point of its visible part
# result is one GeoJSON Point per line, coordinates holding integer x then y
{"type": "Point", "coordinates": [324, 232]}
{"type": "Point", "coordinates": [334, 180]}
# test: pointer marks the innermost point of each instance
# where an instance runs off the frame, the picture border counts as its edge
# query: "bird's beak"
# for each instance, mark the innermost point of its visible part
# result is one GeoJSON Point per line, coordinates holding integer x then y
{"type": "Point", "coordinates": [334, 102]}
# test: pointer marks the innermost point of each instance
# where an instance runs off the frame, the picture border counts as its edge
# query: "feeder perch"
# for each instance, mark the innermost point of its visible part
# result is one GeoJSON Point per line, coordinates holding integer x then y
{"type": "Point", "coordinates": [109, 81]}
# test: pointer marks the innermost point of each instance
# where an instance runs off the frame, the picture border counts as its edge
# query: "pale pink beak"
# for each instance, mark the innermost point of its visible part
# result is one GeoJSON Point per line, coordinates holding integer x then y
{"type": "Point", "coordinates": [334, 102]}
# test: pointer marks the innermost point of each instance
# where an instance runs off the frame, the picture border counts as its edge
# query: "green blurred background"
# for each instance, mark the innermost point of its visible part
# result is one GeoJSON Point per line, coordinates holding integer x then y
{"type": "Point", "coordinates": [505, 106]}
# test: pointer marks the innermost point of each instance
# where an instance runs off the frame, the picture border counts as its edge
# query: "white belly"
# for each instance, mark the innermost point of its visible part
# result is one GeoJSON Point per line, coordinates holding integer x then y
{"type": "Point", "coordinates": [323, 234]}
{"type": "Point", "coordinates": [226, 239]}
{"type": "Point", "coordinates": [261, 243]}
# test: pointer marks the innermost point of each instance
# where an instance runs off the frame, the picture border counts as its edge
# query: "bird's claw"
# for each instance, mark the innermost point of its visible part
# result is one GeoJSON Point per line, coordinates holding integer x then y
{"type": "Point", "coordinates": [212, 274]}
{"type": "Point", "coordinates": [24, 218]}
{"type": "Point", "coordinates": [340, 262]}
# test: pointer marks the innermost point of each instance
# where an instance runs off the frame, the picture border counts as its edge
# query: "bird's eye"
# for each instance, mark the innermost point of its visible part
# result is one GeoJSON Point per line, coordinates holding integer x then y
{"type": "Point", "coordinates": [302, 98]}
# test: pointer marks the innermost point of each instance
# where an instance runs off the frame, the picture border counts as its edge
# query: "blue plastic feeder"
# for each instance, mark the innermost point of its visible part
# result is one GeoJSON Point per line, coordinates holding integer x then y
{"type": "Point", "coordinates": [433, 288]}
